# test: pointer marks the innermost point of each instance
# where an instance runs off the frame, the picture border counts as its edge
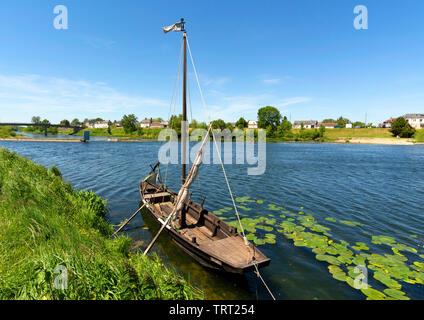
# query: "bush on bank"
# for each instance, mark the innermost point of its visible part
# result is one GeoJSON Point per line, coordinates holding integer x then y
{"type": "Point", "coordinates": [46, 226]}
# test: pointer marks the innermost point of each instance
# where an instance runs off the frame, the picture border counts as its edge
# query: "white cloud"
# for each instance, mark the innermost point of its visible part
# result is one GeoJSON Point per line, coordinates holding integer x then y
{"type": "Point", "coordinates": [26, 95]}
{"type": "Point", "coordinates": [271, 81]}
{"type": "Point", "coordinates": [267, 79]}
{"type": "Point", "coordinates": [212, 82]}
{"type": "Point", "coordinates": [289, 101]}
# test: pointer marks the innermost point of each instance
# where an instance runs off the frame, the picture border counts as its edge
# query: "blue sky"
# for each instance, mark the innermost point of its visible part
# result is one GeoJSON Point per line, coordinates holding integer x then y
{"type": "Point", "coordinates": [303, 57]}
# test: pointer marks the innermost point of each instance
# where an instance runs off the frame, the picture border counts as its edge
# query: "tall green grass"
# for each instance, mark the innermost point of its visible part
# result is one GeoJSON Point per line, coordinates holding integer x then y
{"type": "Point", "coordinates": [46, 223]}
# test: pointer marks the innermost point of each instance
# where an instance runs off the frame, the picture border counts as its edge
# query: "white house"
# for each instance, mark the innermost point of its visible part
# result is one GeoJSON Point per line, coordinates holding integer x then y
{"type": "Point", "coordinates": [387, 123]}
{"type": "Point", "coordinates": [307, 124]}
{"type": "Point", "coordinates": [349, 126]}
{"type": "Point", "coordinates": [91, 124]}
{"type": "Point", "coordinates": [102, 124]}
{"type": "Point", "coordinates": [159, 125]}
{"type": "Point", "coordinates": [327, 125]}
{"type": "Point", "coordinates": [252, 124]}
{"type": "Point", "coordinates": [146, 123]}
{"type": "Point", "coordinates": [415, 120]}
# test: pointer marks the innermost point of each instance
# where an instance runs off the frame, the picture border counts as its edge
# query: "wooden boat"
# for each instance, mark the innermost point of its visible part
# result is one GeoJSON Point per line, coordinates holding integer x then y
{"type": "Point", "coordinates": [200, 233]}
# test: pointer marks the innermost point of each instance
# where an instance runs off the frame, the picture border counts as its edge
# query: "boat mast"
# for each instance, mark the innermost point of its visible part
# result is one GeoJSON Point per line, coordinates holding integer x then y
{"type": "Point", "coordinates": [184, 118]}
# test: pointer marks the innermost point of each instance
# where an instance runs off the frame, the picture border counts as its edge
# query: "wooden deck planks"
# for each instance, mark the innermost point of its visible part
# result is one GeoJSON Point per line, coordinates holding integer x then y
{"type": "Point", "coordinates": [232, 250]}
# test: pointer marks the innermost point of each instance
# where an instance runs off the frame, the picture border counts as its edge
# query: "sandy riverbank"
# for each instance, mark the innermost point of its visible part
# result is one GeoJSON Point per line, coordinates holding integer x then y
{"type": "Point", "coordinates": [381, 141]}
{"type": "Point", "coordinates": [384, 141]}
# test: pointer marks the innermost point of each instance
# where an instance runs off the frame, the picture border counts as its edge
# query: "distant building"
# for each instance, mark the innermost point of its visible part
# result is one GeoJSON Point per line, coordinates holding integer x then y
{"type": "Point", "coordinates": [327, 125]}
{"type": "Point", "coordinates": [415, 120]}
{"type": "Point", "coordinates": [387, 123]}
{"type": "Point", "coordinates": [159, 125]}
{"type": "Point", "coordinates": [102, 124]}
{"type": "Point", "coordinates": [252, 124]}
{"type": "Point", "coordinates": [146, 123]}
{"type": "Point", "coordinates": [118, 124]}
{"type": "Point", "coordinates": [307, 124]}
{"type": "Point", "coordinates": [150, 124]}
{"type": "Point", "coordinates": [91, 124]}
{"type": "Point", "coordinates": [348, 126]}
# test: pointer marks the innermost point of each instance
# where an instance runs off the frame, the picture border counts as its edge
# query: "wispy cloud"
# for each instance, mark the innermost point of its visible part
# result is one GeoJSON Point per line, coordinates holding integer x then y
{"type": "Point", "coordinates": [289, 101]}
{"type": "Point", "coordinates": [267, 79]}
{"type": "Point", "coordinates": [214, 82]}
{"type": "Point", "coordinates": [271, 81]}
{"type": "Point", "coordinates": [28, 95]}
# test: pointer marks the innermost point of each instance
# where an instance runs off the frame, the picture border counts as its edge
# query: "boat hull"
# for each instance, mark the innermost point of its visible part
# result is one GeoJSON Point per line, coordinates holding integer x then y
{"type": "Point", "coordinates": [204, 257]}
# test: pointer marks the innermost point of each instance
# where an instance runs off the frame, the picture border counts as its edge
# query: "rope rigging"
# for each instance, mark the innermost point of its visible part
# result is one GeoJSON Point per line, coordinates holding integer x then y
{"type": "Point", "coordinates": [258, 274]}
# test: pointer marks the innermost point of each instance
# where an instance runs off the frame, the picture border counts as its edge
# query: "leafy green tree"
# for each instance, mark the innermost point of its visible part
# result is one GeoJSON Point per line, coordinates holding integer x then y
{"type": "Point", "coordinates": [98, 120]}
{"type": "Point", "coordinates": [342, 122]}
{"type": "Point", "coordinates": [321, 131]}
{"type": "Point", "coordinates": [129, 123]}
{"type": "Point", "coordinates": [285, 128]}
{"type": "Point", "coordinates": [400, 127]}
{"type": "Point", "coordinates": [202, 125]}
{"type": "Point", "coordinates": [75, 122]}
{"type": "Point", "coordinates": [45, 121]}
{"type": "Point", "coordinates": [241, 123]}
{"type": "Point", "coordinates": [64, 123]}
{"type": "Point", "coordinates": [175, 122]}
{"type": "Point", "coordinates": [269, 116]}
{"type": "Point", "coordinates": [219, 124]}
{"type": "Point", "coordinates": [358, 124]}
{"type": "Point", "coordinates": [36, 120]}
{"type": "Point", "coordinates": [329, 121]}
{"type": "Point", "coordinates": [193, 124]}
{"type": "Point", "coordinates": [229, 126]}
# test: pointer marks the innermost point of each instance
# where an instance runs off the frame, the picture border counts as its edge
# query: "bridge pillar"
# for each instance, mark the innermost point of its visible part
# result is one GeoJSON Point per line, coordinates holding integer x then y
{"type": "Point", "coordinates": [45, 131]}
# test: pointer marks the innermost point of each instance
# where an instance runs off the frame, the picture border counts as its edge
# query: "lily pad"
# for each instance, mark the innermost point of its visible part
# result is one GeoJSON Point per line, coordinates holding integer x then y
{"type": "Point", "coordinates": [330, 259]}
{"type": "Point", "coordinates": [373, 294]}
{"type": "Point", "coordinates": [360, 246]}
{"type": "Point", "coordinates": [387, 280]}
{"type": "Point", "coordinates": [350, 223]}
{"type": "Point", "coordinates": [396, 294]}
{"type": "Point", "coordinates": [383, 240]}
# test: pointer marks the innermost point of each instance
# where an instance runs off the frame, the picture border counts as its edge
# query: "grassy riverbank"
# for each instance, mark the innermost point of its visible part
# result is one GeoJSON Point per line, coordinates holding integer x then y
{"type": "Point", "coordinates": [7, 132]}
{"type": "Point", "coordinates": [40, 130]}
{"type": "Point", "coordinates": [343, 135]}
{"type": "Point", "coordinates": [47, 226]}
{"type": "Point", "coordinates": [120, 133]}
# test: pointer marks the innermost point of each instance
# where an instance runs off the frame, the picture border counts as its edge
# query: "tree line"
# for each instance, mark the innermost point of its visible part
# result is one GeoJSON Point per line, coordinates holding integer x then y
{"type": "Point", "coordinates": [269, 118]}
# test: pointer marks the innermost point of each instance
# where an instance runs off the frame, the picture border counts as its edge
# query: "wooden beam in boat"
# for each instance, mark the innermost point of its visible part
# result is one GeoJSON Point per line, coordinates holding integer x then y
{"type": "Point", "coordinates": [156, 195]}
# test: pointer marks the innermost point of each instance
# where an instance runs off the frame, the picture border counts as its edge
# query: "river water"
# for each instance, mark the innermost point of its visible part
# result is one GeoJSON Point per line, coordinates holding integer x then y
{"type": "Point", "coordinates": [379, 187]}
